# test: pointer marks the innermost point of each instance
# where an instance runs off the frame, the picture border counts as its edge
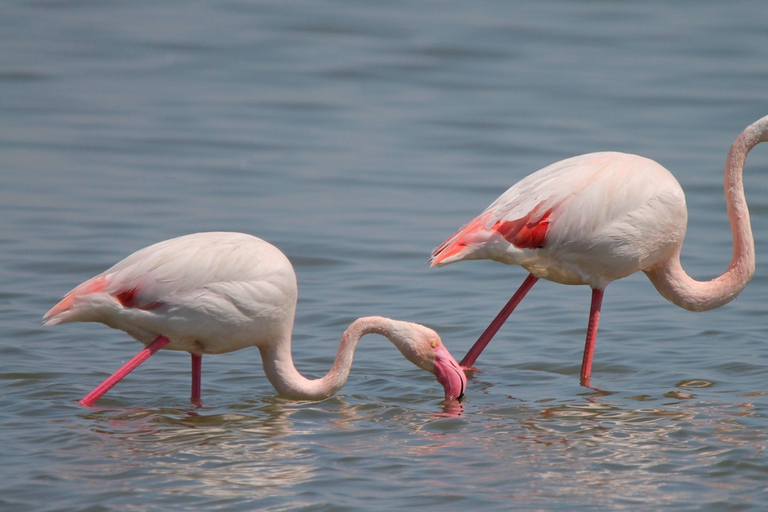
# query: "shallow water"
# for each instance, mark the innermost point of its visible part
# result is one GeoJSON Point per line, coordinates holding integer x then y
{"type": "Point", "coordinates": [356, 138]}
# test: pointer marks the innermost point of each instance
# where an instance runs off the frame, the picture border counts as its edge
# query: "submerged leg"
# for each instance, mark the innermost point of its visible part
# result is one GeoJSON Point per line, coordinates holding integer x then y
{"type": "Point", "coordinates": [492, 329]}
{"type": "Point", "coordinates": [197, 365]}
{"type": "Point", "coordinates": [589, 346]}
{"type": "Point", "coordinates": [124, 370]}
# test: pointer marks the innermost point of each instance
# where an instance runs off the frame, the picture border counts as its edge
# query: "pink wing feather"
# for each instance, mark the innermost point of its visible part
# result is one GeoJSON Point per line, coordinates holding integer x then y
{"type": "Point", "coordinates": [579, 201]}
{"type": "Point", "coordinates": [174, 270]}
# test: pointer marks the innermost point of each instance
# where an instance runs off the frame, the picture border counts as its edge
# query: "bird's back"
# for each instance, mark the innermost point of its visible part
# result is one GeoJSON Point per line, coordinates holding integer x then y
{"type": "Point", "coordinates": [213, 289]}
{"type": "Point", "coordinates": [589, 219]}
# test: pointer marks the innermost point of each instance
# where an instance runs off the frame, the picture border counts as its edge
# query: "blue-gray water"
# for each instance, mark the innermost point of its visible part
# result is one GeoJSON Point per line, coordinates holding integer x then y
{"type": "Point", "coordinates": [356, 137]}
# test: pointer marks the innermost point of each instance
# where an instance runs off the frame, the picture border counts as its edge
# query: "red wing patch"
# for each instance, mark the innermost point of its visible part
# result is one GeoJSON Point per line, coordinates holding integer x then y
{"type": "Point", "coordinates": [456, 243]}
{"type": "Point", "coordinates": [129, 300]}
{"type": "Point", "coordinates": [525, 233]}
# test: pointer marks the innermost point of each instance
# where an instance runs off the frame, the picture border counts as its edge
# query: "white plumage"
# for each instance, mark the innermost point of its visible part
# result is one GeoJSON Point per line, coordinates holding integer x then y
{"type": "Point", "coordinates": [210, 293]}
{"type": "Point", "coordinates": [599, 217]}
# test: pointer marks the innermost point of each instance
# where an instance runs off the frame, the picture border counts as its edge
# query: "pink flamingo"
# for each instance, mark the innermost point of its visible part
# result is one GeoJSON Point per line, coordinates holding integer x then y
{"type": "Point", "coordinates": [599, 217]}
{"type": "Point", "coordinates": [210, 293]}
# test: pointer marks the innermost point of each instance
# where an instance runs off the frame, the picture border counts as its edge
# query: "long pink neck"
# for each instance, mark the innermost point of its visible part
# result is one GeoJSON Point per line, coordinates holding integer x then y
{"type": "Point", "coordinates": [670, 278]}
{"type": "Point", "coordinates": [286, 379]}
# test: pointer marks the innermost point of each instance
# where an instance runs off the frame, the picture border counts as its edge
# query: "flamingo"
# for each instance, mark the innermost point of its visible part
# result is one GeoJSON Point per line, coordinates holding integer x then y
{"type": "Point", "coordinates": [211, 293]}
{"type": "Point", "coordinates": [595, 218]}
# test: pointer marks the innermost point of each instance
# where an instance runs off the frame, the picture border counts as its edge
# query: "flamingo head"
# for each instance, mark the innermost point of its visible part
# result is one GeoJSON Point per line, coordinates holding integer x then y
{"type": "Point", "coordinates": [423, 347]}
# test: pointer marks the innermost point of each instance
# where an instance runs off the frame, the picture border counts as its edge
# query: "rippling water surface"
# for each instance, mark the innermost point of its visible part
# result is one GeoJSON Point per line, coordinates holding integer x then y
{"type": "Point", "coordinates": [356, 137]}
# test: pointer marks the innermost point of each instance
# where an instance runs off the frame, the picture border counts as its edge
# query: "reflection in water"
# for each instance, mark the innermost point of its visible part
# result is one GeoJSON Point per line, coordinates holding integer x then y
{"type": "Point", "coordinates": [601, 449]}
{"type": "Point", "coordinates": [593, 448]}
{"type": "Point", "coordinates": [259, 450]}
{"type": "Point", "coordinates": [221, 454]}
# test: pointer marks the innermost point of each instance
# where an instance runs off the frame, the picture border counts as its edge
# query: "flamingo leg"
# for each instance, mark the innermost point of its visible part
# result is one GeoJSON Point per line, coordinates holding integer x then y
{"type": "Point", "coordinates": [589, 346]}
{"type": "Point", "coordinates": [124, 370]}
{"type": "Point", "coordinates": [197, 365]}
{"type": "Point", "coordinates": [497, 322]}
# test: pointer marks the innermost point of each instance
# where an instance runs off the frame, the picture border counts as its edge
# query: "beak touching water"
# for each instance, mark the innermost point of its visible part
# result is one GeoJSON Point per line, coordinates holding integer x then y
{"type": "Point", "coordinates": [449, 373]}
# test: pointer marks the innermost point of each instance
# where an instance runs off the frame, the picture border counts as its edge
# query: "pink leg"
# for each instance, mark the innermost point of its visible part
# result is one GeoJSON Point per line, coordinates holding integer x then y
{"type": "Point", "coordinates": [127, 368]}
{"type": "Point", "coordinates": [197, 365]}
{"type": "Point", "coordinates": [492, 329]}
{"type": "Point", "coordinates": [589, 346]}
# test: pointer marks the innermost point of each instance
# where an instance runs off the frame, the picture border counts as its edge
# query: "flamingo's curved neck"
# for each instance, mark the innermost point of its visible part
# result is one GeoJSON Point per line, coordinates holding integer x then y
{"type": "Point", "coordinates": [669, 277]}
{"type": "Point", "coordinates": [281, 372]}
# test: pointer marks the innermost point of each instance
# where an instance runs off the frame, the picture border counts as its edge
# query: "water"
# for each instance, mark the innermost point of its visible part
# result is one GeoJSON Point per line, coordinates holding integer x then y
{"type": "Point", "coordinates": [356, 137]}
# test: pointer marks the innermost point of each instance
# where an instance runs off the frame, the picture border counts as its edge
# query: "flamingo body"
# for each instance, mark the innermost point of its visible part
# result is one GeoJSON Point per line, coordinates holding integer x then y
{"type": "Point", "coordinates": [211, 293]}
{"type": "Point", "coordinates": [599, 217]}
{"type": "Point", "coordinates": [590, 219]}
{"type": "Point", "coordinates": [208, 293]}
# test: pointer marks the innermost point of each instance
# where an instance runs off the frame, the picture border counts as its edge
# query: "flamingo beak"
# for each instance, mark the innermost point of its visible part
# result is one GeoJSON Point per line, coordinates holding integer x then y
{"type": "Point", "coordinates": [449, 373]}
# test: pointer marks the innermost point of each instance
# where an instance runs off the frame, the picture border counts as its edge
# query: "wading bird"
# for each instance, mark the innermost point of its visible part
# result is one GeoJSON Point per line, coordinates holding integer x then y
{"type": "Point", "coordinates": [595, 218]}
{"type": "Point", "coordinates": [210, 293]}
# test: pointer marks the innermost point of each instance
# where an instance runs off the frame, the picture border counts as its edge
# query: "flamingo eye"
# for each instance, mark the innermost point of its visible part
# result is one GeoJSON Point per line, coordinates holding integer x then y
{"type": "Point", "coordinates": [434, 344]}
